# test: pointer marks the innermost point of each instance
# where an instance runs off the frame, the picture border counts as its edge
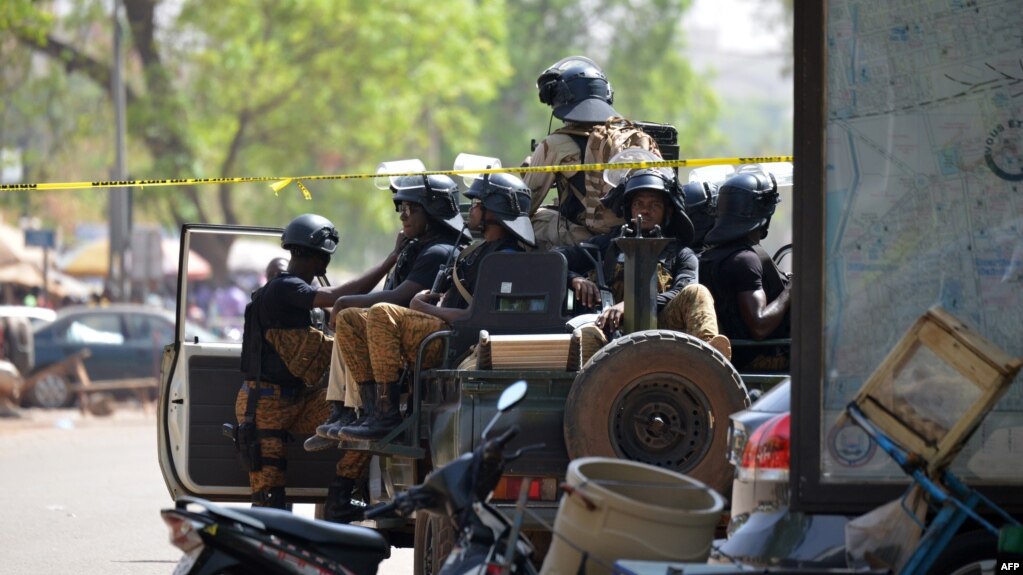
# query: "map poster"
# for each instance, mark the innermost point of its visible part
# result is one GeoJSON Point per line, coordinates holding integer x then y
{"type": "Point", "coordinates": [923, 207]}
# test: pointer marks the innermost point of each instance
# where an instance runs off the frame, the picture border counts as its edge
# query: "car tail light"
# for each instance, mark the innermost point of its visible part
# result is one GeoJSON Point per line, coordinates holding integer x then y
{"type": "Point", "coordinates": [183, 533]}
{"type": "Point", "coordinates": [540, 489]}
{"type": "Point", "coordinates": [736, 443]}
{"type": "Point", "coordinates": [766, 455]}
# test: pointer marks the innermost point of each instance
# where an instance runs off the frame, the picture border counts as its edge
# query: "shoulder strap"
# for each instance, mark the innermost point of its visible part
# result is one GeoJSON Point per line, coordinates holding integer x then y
{"type": "Point", "coordinates": [572, 132]}
{"type": "Point", "coordinates": [767, 262]}
{"type": "Point", "coordinates": [454, 270]}
{"type": "Point", "coordinates": [581, 139]}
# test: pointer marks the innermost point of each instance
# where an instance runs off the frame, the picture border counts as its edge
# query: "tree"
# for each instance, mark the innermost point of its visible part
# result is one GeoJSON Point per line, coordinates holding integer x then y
{"type": "Point", "coordinates": [282, 88]}
{"type": "Point", "coordinates": [636, 43]}
{"type": "Point", "coordinates": [290, 87]}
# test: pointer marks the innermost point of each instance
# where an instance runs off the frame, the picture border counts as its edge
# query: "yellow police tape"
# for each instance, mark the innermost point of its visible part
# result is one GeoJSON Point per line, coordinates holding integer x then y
{"type": "Point", "coordinates": [279, 183]}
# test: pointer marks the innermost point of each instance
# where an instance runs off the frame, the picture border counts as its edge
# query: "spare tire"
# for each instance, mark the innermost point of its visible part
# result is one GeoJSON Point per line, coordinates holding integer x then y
{"type": "Point", "coordinates": [658, 397]}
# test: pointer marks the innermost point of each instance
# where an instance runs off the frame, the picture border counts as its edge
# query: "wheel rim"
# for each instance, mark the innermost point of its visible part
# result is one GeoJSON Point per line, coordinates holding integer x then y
{"type": "Point", "coordinates": [428, 567]}
{"type": "Point", "coordinates": [51, 391]}
{"type": "Point", "coordinates": [664, 420]}
{"type": "Point", "coordinates": [985, 567]}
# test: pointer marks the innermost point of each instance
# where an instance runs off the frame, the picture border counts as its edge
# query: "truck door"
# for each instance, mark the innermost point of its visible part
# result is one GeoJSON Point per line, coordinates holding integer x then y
{"type": "Point", "coordinates": [199, 382]}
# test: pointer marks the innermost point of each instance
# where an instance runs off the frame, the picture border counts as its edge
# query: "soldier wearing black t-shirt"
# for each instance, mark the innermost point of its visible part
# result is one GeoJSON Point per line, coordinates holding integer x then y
{"type": "Point", "coordinates": [284, 358]}
{"type": "Point", "coordinates": [432, 229]}
{"type": "Point", "coordinates": [377, 344]}
{"type": "Point", "coordinates": [751, 294]}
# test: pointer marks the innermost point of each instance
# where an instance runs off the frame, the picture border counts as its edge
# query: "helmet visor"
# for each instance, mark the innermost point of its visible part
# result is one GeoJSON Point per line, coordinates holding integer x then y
{"type": "Point", "coordinates": [615, 176]}
{"type": "Point", "coordinates": [326, 238]}
{"type": "Point", "coordinates": [389, 172]}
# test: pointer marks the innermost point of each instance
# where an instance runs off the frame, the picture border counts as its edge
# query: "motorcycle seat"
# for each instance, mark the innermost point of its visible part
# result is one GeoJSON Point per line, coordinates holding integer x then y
{"type": "Point", "coordinates": [319, 532]}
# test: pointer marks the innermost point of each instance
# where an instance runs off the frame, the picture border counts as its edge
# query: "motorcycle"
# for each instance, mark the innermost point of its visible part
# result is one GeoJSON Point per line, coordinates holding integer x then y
{"type": "Point", "coordinates": [218, 540]}
{"type": "Point", "coordinates": [487, 541]}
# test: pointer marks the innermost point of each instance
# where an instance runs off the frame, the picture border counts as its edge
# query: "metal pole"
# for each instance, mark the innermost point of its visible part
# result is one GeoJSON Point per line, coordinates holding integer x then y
{"type": "Point", "coordinates": [120, 216]}
{"type": "Point", "coordinates": [641, 281]}
{"type": "Point", "coordinates": [46, 279]}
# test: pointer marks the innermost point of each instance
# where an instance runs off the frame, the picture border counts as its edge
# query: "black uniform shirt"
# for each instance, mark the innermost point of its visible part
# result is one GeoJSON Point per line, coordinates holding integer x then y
{"type": "Point", "coordinates": [469, 267]}
{"type": "Point", "coordinates": [286, 303]}
{"type": "Point", "coordinates": [676, 260]}
{"type": "Point", "coordinates": [419, 263]}
{"type": "Point", "coordinates": [733, 269]}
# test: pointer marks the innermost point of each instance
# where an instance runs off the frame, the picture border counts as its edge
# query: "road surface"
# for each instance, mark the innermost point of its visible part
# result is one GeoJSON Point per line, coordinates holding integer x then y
{"type": "Point", "coordinates": [83, 494]}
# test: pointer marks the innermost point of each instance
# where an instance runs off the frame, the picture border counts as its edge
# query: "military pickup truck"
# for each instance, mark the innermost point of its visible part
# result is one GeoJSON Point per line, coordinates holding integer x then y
{"type": "Point", "coordinates": [653, 395]}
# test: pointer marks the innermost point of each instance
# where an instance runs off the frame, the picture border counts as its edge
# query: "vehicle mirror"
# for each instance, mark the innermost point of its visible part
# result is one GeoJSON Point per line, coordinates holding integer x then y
{"type": "Point", "coordinates": [512, 395]}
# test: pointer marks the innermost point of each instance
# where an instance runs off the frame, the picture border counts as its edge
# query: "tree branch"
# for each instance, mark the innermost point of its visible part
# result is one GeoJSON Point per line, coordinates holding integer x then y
{"type": "Point", "coordinates": [74, 60]}
{"type": "Point", "coordinates": [227, 166]}
{"type": "Point", "coordinates": [168, 144]}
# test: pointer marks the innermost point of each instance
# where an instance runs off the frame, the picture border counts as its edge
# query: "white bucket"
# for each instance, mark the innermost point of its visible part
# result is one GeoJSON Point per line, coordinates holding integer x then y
{"type": "Point", "coordinates": [618, 509]}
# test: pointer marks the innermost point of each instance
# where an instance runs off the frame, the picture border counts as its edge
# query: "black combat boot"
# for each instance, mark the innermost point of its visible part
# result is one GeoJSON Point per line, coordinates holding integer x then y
{"type": "Point", "coordinates": [340, 416]}
{"type": "Point", "coordinates": [337, 411]}
{"type": "Point", "coordinates": [339, 507]}
{"type": "Point", "coordinates": [368, 394]}
{"type": "Point", "coordinates": [271, 497]}
{"type": "Point", "coordinates": [387, 415]}
{"type": "Point", "coordinates": [321, 440]}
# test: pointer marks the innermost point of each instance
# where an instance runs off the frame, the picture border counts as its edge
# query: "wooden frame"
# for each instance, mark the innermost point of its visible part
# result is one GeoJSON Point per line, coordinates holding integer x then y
{"type": "Point", "coordinates": [985, 369]}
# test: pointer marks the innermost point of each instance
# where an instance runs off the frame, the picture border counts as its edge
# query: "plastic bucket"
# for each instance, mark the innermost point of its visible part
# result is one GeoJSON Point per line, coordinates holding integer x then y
{"type": "Point", "coordinates": [618, 509]}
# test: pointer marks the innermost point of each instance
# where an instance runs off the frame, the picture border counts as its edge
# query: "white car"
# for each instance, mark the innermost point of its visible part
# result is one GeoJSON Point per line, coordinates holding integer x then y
{"type": "Point", "coordinates": [35, 315]}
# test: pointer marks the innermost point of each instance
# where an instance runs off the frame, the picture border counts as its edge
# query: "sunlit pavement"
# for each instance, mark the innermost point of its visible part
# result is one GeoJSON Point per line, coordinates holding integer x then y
{"type": "Point", "coordinates": [45, 493]}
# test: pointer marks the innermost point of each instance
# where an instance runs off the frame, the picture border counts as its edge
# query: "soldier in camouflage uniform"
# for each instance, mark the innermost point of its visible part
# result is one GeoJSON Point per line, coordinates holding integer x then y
{"type": "Point", "coordinates": [682, 303]}
{"type": "Point", "coordinates": [377, 343]}
{"type": "Point", "coordinates": [580, 95]}
{"type": "Point", "coordinates": [431, 231]}
{"type": "Point", "coordinates": [284, 358]}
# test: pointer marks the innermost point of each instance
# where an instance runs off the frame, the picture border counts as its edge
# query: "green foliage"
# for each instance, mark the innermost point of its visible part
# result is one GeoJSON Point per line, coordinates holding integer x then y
{"type": "Point", "coordinates": [331, 87]}
{"type": "Point", "coordinates": [294, 87]}
{"type": "Point", "coordinates": [636, 43]}
{"type": "Point", "coordinates": [26, 17]}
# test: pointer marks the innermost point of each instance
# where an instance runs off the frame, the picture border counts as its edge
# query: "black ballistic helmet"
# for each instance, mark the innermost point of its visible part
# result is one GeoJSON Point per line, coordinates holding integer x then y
{"type": "Point", "coordinates": [701, 204]}
{"type": "Point", "coordinates": [507, 197]}
{"type": "Point", "coordinates": [311, 231]}
{"type": "Point", "coordinates": [679, 225]}
{"type": "Point", "coordinates": [435, 193]}
{"type": "Point", "coordinates": [746, 203]}
{"type": "Point", "coordinates": [578, 91]}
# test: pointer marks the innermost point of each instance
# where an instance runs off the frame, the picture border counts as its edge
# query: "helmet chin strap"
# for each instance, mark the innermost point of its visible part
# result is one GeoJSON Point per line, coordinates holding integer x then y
{"type": "Point", "coordinates": [487, 221]}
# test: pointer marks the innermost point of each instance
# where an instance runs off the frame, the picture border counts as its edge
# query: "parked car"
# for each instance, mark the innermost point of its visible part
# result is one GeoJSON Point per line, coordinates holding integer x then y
{"type": "Point", "coordinates": [125, 340]}
{"type": "Point", "coordinates": [36, 315]}
{"type": "Point", "coordinates": [762, 531]}
{"type": "Point", "coordinates": [758, 448]}
{"type": "Point", "coordinates": [16, 325]}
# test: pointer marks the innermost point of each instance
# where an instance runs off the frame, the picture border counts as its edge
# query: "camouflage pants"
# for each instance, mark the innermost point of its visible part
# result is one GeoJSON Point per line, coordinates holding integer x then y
{"type": "Point", "coordinates": [297, 411]}
{"type": "Point", "coordinates": [376, 343]}
{"type": "Point", "coordinates": [691, 312]}
{"type": "Point", "coordinates": [306, 352]}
